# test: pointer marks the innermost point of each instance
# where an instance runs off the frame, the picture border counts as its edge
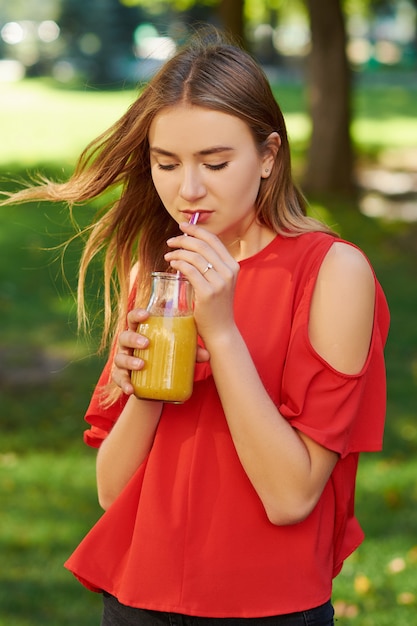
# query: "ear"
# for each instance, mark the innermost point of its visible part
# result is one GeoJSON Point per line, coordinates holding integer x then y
{"type": "Point", "coordinates": [272, 146]}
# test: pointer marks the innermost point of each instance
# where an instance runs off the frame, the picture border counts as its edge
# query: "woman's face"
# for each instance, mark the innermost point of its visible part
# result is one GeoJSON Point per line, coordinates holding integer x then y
{"type": "Point", "coordinates": [206, 161]}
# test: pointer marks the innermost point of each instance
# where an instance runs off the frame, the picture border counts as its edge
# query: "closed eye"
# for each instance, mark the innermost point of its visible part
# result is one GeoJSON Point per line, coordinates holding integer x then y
{"type": "Point", "coordinates": [213, 168]}
{"type": "Point", "coordinates": [166, 168]}
{"type": "Point", "coordinates": [218, 167]}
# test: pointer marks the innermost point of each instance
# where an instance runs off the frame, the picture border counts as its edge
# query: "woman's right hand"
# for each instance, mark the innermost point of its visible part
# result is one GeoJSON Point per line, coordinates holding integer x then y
{"type": "Point", "coordinates": [124, 360]}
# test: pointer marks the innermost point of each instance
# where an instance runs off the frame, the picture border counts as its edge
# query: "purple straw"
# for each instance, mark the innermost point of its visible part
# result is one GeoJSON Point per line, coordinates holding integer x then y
{"type": "Point", "coordinates": [194, 218]}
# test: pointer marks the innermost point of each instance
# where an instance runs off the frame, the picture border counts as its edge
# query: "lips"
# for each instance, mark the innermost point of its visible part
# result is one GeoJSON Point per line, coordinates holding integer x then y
{"type": "Point", "coordinates": [203, 216]}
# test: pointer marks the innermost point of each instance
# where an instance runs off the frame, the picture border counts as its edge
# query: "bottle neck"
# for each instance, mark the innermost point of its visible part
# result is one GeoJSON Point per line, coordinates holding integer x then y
{"type": "Point", "coordinates": [171, 295]}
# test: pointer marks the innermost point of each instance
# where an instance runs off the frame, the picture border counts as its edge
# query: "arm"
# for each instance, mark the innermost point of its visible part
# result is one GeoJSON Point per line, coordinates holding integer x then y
{"type": "Point", "coordinates": [287, 469]}
{"type": "Point", "coordinates": [125, 448]}
{"type": "Point", "coordinates": [131, 438]}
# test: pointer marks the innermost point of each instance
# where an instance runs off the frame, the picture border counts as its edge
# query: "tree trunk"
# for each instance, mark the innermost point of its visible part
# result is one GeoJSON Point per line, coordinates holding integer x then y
{"type": "Point", "coordinates": [231, 16]}
{"type": "Point", "coordinates": [330, 156]}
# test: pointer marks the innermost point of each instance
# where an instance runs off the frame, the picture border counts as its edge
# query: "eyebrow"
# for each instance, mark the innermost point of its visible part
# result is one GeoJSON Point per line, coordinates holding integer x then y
{"type": "Point", "coordinates": [205, 152]}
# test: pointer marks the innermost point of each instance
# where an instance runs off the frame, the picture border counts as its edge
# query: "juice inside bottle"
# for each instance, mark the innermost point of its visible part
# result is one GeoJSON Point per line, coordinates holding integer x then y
{"type": "Point", "coordinates": [168, 372]}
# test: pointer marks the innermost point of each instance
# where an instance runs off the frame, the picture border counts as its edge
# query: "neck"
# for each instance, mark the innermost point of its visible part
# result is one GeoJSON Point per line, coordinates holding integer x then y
{"type": "Point", "coordinates": [250, 242]}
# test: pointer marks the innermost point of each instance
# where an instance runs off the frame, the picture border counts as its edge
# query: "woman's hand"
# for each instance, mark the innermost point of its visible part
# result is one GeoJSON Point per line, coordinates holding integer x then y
{"type": "Point", "coordinates": [124, 360]}
{"type": "Point", "coordinates": [130, 340]}
{"type": "Point", "coordinates": [203, 259]}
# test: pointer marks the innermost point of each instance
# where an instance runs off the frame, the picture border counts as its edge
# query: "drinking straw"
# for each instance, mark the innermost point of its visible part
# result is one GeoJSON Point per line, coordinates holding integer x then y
{"type": "Point", "coordinates": [193, 220]}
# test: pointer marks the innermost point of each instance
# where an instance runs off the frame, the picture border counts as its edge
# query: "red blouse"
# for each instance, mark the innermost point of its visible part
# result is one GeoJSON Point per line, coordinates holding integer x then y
{"type": "Point", "coordinates": [189, 534]}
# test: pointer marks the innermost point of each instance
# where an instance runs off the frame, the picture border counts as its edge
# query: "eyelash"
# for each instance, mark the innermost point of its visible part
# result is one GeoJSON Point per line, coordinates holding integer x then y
{"type": "Point", "coordinates": [213, 168]}
{"type": "Point", "coordinates": [166, 168]}
{"type": "Point", "coordinates": [217, 168]}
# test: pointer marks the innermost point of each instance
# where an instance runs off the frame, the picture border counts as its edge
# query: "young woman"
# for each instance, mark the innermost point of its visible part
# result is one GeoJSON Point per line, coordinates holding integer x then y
{"type": "Point", "coordinates": [238, 503]}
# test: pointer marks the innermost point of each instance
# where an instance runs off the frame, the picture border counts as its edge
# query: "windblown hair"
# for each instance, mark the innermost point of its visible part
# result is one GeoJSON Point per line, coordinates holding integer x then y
{"type": "Point", "coordinates": [209, 72]}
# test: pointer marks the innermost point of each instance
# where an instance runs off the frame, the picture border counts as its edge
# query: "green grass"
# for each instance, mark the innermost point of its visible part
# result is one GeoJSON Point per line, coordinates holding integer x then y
{"type": "Point", "coordinates": [47, 373]}
{"type": "Point", "coordinates": [32, 133]}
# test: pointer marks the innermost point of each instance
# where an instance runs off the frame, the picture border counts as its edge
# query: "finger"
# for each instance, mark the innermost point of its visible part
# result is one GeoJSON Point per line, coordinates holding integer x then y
{"type": "Point", "coordinates": [192, 258]}
{"type": "Point", "coordinates": [199, 241]}
{"type": "Point", "coordinates": [123, 365]}
{"type": "Point", "coordinates": [125, 362]}
{"type": "Point", "coordinates": [200, 271]}
{"type": "Point", "coordinates": [210, 240]}
{"type": "Point", "coordinates": [136, 316]}
{"type": "Point", "coordinates": [210, 251]}
{"type": "Point", "coordinates": [130, 340]}
{"type": "Point", "coordinates": [203, 355]}
{"type": "Point", "coordinates": [202, 257]}
{"type": "Point", "coordinates": [122, 380]}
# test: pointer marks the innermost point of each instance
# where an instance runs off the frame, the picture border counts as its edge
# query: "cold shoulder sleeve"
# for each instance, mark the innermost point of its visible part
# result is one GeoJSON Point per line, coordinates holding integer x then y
{"type": "Point", "coordinates": [344, 413]}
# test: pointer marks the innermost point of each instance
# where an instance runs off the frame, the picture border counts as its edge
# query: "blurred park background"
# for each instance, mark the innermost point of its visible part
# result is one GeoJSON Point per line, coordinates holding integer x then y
{"type": "Point", "coordinates": [344, 72]}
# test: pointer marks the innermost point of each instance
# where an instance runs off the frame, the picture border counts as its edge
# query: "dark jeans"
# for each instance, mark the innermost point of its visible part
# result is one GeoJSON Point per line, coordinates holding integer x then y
{"type": "Point", "coordinates": [116, 614]}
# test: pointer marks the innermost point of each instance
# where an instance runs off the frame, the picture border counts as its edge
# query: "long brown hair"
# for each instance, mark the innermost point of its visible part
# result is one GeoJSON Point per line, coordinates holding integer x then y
{"type": "Point", "coordinates": [209, 72]}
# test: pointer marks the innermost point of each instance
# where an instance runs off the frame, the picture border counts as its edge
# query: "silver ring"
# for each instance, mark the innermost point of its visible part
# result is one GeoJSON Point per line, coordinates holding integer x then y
{"type": "Point", "coordinates": [209, 267]}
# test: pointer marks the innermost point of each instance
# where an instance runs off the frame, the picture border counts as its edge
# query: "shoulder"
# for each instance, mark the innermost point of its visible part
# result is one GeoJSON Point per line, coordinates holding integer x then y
{"type": "Point", "coordinates": [342, 308]}
{"type": "Point", "coordinates": [345, 252]}
{"type": "Point", "coordinates": [345, 263]}
{"type": "Point", "coordinates": [320, 258]}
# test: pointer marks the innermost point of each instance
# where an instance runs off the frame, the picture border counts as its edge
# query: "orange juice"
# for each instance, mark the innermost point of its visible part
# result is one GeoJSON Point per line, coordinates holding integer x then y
{"type": "Point", "coordinates": [168, 372]}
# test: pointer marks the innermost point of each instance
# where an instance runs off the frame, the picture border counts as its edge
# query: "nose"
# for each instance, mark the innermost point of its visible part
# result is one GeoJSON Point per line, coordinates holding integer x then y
{"type": "Point", "coordinates": [192, 185]}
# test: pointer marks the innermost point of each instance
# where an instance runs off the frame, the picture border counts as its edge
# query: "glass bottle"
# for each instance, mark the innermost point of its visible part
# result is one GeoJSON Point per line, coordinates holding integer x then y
{"type": "Point", "coordinates": [168, 373]}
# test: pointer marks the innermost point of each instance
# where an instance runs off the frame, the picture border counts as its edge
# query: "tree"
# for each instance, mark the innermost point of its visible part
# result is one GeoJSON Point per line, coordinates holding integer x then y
{"type": "Point", "coordinates": [231, 16]}
{"type": "Point", "coordinates": [230, 13]}
{"type": "Point", "coordinates": [99, 36]}
{"type": "Point", "coordinates": [330, 155]}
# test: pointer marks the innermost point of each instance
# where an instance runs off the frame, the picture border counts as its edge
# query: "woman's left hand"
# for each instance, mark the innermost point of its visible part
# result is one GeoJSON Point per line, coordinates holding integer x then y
{"type": "Point", "coordinates": [206, 263]}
